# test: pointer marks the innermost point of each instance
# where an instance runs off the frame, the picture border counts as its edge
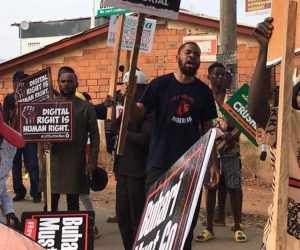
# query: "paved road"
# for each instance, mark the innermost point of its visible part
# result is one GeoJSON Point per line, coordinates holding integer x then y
{"type": "Point", "coordinates": [110, 238]}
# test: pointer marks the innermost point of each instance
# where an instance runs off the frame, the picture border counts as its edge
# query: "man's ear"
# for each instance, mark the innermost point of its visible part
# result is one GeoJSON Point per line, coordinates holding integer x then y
{"type": "Point", "coordinates": [177, 58]}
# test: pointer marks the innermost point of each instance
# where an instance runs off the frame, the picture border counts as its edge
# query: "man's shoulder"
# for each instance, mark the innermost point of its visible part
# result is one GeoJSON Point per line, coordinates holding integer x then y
{"type": "Point", "coordinates": [163, 79]}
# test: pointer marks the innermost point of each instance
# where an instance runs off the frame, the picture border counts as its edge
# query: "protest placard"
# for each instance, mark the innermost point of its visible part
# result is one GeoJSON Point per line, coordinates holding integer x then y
{"type": "Point", "coordinates": [276, 49]}
{"type": "Point", "coordinates": [172, 200]}
{"type": "Point", "coordinates": [35, 88]}
{"type": "Point", "coordinates": [256, 7]}
{"type": "Point", "coordinates": [47, 121]}
{"type": "Point", "coordinates": [60, 230]}
{"type": "Point", "coordinates": [160, 8]}
{"type": "Point", "coordinates": [129, 30]}
{"type": "Point", "coordinates": [236, 112]}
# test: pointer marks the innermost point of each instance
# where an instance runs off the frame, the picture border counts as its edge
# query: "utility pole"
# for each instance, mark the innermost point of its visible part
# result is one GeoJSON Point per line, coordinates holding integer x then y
{"type": "Point", "coordinates": [228, 38]}
{"type": "Point", "coordinates": [93, 14]}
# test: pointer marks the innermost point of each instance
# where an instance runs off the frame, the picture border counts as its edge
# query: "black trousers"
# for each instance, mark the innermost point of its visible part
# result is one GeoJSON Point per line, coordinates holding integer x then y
{"type": "Point", "coordinates": [72, 202]}
{"type": "Point", "coordinates": [130, 201]}
{"type": "Point", "coordinates": [152, 176]}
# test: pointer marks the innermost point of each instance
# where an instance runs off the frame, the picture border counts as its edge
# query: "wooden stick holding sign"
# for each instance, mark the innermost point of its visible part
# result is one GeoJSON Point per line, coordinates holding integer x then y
{"type": "Point", "coordinates": [116, 60]}
{"type": "Point", "coordinates": [279, 225]}
{"type": "Point", "coordinates": [132, 80]}
{"type": "Point", "coordinates": [48, 180]}
{"type": "Point", "coordinates": [234, 133]}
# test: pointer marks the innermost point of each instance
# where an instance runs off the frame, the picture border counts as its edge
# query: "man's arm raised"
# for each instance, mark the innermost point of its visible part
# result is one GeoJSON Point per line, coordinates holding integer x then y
{"type": "Point", "coordinates": [260, 88]}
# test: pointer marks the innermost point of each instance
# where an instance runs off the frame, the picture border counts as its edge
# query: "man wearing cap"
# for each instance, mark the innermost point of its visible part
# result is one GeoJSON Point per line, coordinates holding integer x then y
{"type": "Point", "coordinates": [130, 170]}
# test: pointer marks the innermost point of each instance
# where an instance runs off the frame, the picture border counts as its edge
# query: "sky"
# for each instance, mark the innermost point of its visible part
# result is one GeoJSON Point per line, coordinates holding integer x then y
{"type": "Point", "coordinates": [15, 11]}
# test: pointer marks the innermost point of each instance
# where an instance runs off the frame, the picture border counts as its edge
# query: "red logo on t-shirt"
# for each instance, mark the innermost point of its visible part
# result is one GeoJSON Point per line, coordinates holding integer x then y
{"type": "Point", "coordinates": [182, 108]}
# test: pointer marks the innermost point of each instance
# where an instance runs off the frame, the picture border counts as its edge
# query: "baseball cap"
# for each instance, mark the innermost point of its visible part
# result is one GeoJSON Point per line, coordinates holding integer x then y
{"type": "Point", "coordinates": [141, 77]}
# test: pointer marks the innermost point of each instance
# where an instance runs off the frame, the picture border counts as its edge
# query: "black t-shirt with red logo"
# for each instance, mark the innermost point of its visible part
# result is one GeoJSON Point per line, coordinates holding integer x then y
{"type": "Point", "coordinates": [178, 110]}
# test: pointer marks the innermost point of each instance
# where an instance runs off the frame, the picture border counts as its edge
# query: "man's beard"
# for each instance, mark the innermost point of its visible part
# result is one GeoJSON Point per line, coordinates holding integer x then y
{"type": "Point", "coordinates": [68, 93]}
{"type": "Point", "coordinates": [188, 71]}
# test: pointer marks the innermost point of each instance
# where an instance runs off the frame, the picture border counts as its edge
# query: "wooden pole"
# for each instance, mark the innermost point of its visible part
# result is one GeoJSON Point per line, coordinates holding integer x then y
{"type": "Point", "coordinates": [279, 225]}
{"type": "Point", "coordinates": [223, 143]}
{"type": "Point", "coordinates": [116, 60]}
{"type": "Point", "coordinates": [48, 180]}
{"type": "Point", "coordinates": [228, 35]}
{"type": "Point", "coordinates": [132, 80]}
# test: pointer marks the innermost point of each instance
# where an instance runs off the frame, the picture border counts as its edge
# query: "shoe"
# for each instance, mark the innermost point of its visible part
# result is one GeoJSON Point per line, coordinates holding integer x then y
{"type": "Point", "coordinates": [96, 233]}
{"type": "Point", "coordinates": [19, 197]}
{"type": "Point", "coordinates": [205, 236]}
{"type": "Point", "coordinates": [37, 198]}
{"type": "Point", "coordinates": [239, 236]}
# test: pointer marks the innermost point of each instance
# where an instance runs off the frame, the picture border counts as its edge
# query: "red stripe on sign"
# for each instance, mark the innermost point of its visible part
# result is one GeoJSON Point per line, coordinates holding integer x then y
{"type": "Point", "coordinates": [30, 228]}
{"type": "Point", "coordinates": [293, 182]}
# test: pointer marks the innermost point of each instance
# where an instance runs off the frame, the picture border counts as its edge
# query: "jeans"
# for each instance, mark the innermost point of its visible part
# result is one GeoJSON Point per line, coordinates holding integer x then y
{"type": "Point", "coordinates": [29, 153]}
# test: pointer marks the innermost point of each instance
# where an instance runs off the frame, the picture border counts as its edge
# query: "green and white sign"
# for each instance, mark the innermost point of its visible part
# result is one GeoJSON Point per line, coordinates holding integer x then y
{"type": "Point", "coordinates": [236, 111]}
{"type": "Point", "coordinates": [128, 35]}
{"type": "Point", "coordinates": [110, 11]}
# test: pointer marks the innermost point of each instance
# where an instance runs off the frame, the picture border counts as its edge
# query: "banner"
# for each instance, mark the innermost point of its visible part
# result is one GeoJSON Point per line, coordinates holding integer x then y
{"type": "Point", "coordinates": [256, 7]}
{"type": "Point", "coordinates": [160, 8]}
{"type": "Point", "coordinates": [275, 48]}
{"type": "Point", "coordinates": [35, 88]}
{"type": "Point", "coordinates": [236, 112]}
{"type": "Point", "coordinates": [47, 121]}
{"type": "Point", "coordinates": [60, 230]}
{"type": "Point", "coordinates": [172, 200]}
{"type": "Point", "coordinates": [128, 35]}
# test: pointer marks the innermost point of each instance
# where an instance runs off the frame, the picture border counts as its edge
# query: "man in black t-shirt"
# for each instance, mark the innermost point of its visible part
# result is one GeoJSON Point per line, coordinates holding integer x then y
{"type": "Point", "coordinates": [181, 104]}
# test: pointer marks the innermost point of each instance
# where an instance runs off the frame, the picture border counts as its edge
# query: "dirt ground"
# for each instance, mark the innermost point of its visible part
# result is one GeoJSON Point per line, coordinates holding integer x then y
{"type": "Point", "coordinates": [257, 197]}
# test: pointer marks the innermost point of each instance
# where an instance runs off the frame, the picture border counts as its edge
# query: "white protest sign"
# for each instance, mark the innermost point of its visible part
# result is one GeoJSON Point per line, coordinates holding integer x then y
{"type": "Point", "coordinates": [129, 33]}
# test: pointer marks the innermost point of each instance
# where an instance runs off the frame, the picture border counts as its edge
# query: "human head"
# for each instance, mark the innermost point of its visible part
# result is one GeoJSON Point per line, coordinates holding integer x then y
{"type": "Point", "coordinates": [217, 75]}
{"type": "Point", "coordinates": [67, 81]}
{"type": "Point", "coordinates": [141, 77]}
{"type": "Point", "coordinates": [188, 58]}
{"type": "Point", "coordinates": [296, 96]}
{"type": "Point", "coordinates": [18, 76]}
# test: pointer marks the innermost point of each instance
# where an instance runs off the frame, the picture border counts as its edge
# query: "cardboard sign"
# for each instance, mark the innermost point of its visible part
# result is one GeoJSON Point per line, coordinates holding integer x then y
{"type": "Point", "coordinates": [172, 200]}
{"type": "Point", "coordinates": [160, 8]}
{"type": "Point", "coordinates": [236, 112]}
{"type": "Point", "coordinates": [275, 48]}
{"type": "Point", "coordinates": [48, 121]}
{"type": "Point", "coordinates": [128, 35]}
{"type": "Point", "coordinates": [35, 88]}
{"type": "Point", "coordinates": [256, 7]}
{"type": "Point", "coordinates": [207, 44]}
{"type": "Point", "coordinates": [60, 230]}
